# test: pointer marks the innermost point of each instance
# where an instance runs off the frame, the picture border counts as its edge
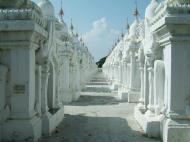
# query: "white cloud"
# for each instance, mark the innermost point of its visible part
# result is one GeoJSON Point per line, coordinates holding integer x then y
{"type": "Point", "coordinates": [114, 32]}
{"type": "Point", "coordinates": [113, 35]}
{"type": "Point", "coordinates": [100, 38]}
{"type": "Point", "coordinates": [98, 27]}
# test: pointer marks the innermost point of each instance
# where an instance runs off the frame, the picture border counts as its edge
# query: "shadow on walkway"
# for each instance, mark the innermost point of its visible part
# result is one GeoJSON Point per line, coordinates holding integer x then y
{"type": "Point", "coordinates": [81, 128]}
{"type": "Point", "coordinates": [98, 116]}
{"type": "Point", "coordinates": [92, 100]}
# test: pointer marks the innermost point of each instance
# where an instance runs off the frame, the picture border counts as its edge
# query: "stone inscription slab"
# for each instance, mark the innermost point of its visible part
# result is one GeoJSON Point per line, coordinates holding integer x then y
{"type": "Point", "coordinates": [19, 89]}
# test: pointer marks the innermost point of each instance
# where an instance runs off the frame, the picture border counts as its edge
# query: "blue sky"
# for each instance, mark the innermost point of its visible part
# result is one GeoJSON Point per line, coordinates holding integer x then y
{"type": "Point", "coordinates": [99, 22]}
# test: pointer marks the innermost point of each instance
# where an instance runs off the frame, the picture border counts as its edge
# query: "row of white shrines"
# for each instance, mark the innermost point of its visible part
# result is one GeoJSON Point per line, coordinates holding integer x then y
{"type": "Point", "coordinates": [150, 65]}
{"type": "Point", "coordinates": [43, 65]}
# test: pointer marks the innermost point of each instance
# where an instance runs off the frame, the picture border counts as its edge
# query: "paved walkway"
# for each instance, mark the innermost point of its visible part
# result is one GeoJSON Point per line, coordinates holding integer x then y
{"type": "Point", "coordinates": [98, 117]}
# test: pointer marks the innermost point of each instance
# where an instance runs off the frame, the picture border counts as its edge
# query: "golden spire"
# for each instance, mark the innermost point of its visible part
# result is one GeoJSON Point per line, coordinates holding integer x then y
{"type": "Point", "coordinates": [128, 26]}
{"type": "Point", "coordinates": [118, 40]}
{"type": "Point", "coordinates": [122, 34]}
{"type": "Point", "coordinates": [72, 27]}
{"type": "Point", "coordinates": [61, 12]}
{"type": "Point", "coordinates": [136, 11]}
{"type": "Point", "coordinates": [77, 35]}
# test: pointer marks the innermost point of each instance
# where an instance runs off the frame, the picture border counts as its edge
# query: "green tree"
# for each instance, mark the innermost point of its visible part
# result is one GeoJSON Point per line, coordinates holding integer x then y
{"type": "Point", "coordinates": [101, 62]}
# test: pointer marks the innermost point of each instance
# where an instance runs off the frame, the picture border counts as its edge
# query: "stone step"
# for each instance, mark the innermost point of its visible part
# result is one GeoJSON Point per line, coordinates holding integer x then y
{"type": "Point", "coordinates": [98, 83]}
{"type": "Point", "coordinates": [99, 80]}
{"type": "Point", "coordinates": [96, 89]}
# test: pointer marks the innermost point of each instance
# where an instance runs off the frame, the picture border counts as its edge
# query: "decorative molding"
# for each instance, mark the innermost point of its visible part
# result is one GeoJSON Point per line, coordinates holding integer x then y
{"type": "Point", "coordinates": [22, 14]}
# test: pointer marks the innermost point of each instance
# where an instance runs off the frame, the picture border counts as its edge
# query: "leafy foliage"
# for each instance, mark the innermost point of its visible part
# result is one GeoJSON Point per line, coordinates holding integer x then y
{"type": "Point", "coordinates": [101, 62]}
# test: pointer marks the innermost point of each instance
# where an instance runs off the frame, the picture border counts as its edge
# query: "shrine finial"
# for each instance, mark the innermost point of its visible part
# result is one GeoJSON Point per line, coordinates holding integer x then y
{"type": "Point", "coordinates": [122, 34]}
{"type": "Point", "coordinates": [61, 12]}
{"type": "Point", "coordinates": [128, 26]}
{"type": "Point", "coordinates": [136, 11]}
{"type": "Point", "coordinates": [72, 27]}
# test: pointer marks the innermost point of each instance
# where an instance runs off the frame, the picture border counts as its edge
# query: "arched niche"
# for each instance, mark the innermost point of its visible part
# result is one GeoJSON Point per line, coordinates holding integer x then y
{"type": "Point", "coordinates": [159, 84]}
{"type": "Point", "coordinates": [51, 88]}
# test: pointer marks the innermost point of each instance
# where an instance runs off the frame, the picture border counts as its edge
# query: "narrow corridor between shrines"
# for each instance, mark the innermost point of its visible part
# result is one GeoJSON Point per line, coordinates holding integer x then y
{"type": "Point", "coordinates": [98, 116]}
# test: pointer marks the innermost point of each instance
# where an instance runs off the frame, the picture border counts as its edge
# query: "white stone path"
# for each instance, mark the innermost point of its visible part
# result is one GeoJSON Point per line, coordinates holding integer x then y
{"type": "Point", "coordinates": [98, 117]}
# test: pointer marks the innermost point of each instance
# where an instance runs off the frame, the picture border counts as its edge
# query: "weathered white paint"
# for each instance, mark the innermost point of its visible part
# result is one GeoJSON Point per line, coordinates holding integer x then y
{"type": "Point", "coordinates": [42, 66]}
